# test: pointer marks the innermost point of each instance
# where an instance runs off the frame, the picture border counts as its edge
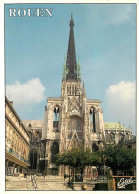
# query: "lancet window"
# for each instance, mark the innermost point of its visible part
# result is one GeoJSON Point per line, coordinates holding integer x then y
{"type": "Point", "coordinates": [72, 90]}
{"type": "Point", "coordinates": [54, 151]}
{"type": "Point", "coordinates": [56, 116]}
{"type": "Point", "coordinates": [92, 120]}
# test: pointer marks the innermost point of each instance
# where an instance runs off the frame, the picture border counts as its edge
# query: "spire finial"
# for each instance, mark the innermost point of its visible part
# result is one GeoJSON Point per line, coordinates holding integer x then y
{"type": "Point", "coordinates": [71, 20]}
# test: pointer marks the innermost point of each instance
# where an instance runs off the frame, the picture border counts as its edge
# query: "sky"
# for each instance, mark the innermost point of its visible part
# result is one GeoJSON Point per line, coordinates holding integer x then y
{"type": "Point", "coordinates": [105, 41]}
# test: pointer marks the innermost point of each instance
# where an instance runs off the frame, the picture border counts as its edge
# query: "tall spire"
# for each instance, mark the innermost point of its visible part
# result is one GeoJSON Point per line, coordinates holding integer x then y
{"type": "Point", "coordinates": [71, 64]}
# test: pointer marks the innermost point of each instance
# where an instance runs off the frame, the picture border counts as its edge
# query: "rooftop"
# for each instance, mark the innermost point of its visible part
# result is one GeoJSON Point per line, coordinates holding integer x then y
{"type": "Point", "coordinates": [33, 123]}
{"type": "Point", "coordinates": [114, 125]}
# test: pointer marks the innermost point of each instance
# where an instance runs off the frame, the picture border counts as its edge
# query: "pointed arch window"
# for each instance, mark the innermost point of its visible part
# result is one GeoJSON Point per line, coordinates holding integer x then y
{"type": "Point", "coordinates": [56, 116]}
{"type": "Point", "coordinates": [92, 120]}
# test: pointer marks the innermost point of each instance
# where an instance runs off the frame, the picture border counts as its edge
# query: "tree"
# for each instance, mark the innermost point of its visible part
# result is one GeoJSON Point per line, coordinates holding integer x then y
{"type": "Point", "coordinates": [67, 158]}
{"type": "Point", "coordinates": [78, 159]}
{"type": "Point", "coordinates": [119, 157]}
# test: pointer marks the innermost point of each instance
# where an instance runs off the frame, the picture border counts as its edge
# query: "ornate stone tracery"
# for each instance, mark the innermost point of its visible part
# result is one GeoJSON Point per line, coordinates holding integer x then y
{"type": "Point", "coordinates": [75, 123]}
{"type": "Point", "coordinates": [74, 131]}
{"type": "Point", "coordinates": [73, 105]}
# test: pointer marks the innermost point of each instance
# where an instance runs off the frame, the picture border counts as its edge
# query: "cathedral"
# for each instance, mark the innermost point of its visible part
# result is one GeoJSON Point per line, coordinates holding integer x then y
{"type": "Point", "coordinates": [70, 120]}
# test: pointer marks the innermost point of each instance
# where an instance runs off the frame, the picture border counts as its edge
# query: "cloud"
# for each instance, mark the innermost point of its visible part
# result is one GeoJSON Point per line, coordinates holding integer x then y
{"type": "Point", "coordinates": [120, 101]}
{"type": "Point", "coordinates": [27, 93]}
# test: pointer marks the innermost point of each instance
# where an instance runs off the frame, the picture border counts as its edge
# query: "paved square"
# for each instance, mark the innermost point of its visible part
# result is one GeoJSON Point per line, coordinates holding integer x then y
{"type": "Point", "coordinates": [49, 183]}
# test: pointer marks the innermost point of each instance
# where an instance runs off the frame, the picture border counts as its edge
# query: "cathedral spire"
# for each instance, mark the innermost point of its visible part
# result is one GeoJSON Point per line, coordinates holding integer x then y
{"type": "Point", "coordinates": [71, 64]}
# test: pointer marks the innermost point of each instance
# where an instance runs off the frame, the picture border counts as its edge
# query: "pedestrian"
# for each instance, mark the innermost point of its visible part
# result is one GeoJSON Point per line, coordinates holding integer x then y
{"type": "Point", "coordinates": [44, 174]}
{"type": "Point", "coordinates": [35, 177]}
{"type": "Point", "coordinates": [31, 177]}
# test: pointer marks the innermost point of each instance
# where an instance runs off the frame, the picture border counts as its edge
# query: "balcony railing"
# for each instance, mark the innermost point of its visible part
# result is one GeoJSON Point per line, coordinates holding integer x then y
{"type": "Point", "coordinates": [11, 151]}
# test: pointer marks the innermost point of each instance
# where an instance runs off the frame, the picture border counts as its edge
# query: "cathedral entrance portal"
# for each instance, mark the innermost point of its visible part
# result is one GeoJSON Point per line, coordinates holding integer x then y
{"type": "Point", "coordinates": [42, 165]}
{"type": "Point", "coordinates": [33, 159]}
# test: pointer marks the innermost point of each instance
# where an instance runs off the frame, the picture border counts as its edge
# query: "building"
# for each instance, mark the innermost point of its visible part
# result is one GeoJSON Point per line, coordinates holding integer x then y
{"type": "Point", "coordinates": [34, 128]}
{"type": "Point", "coordinates": [131, 143]}
{"type": "Point", "coordinates": [114, 132]}
{"type": "Point", "coordinates": [70, 120]}
{"type": "Point", "coordinates": [17, 141]}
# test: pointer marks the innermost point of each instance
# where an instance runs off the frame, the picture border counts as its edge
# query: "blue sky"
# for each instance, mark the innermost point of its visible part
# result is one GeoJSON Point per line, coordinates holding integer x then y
{"type": "Point", "coordinates": [105, 41]}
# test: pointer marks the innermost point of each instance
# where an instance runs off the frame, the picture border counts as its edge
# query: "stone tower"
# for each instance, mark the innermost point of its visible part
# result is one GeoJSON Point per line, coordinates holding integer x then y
{"type": "Point", "coordinates": [71, 120]}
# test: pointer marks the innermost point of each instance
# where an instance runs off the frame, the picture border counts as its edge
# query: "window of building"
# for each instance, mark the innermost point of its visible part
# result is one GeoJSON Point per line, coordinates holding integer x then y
{"type": "Point", "coordinates": [112, 136]}
{"type": "Point", "coordinates": [129, 146]}
{"type": "Point", "coordinates": [72, 90]}
{"type": "Point", "coordinates": [10, 114]}
{"type": "Point", "coordinates": [120, 136]}
{"type": "Point", "coordinates": [75, 90]}
{"type": "Point", "coordinates": [54, 151]}
{"type": "Point", "coordinates": [56, 116]}
{"type": "Point", "coordinates": [11, 132]}
{"type": "Point", "coordinates": [95, 148]}
{"type": "Point", "coordinates": [7, 130]}
{"type": "Point", "coordinates": [92, 120]}
{"type": "Point", "coordinates": [33, 159]}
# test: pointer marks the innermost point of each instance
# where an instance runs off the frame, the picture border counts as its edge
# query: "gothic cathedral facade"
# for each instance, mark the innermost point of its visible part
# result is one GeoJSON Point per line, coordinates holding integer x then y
{"type": "Point", "coordinates": [71, 120]}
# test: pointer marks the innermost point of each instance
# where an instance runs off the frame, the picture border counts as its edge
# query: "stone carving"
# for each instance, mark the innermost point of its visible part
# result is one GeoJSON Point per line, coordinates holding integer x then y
{"type": "Point", "coordinates": [73, 105]}
{"type": "Point", "coordinates": [74, 142]}
{"type": "Point", "coordinates": [75, 131]}
{"type": "Point", "coordinates": [36, 136]}
{"type": "Point", "coordinates": [75, 123]}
